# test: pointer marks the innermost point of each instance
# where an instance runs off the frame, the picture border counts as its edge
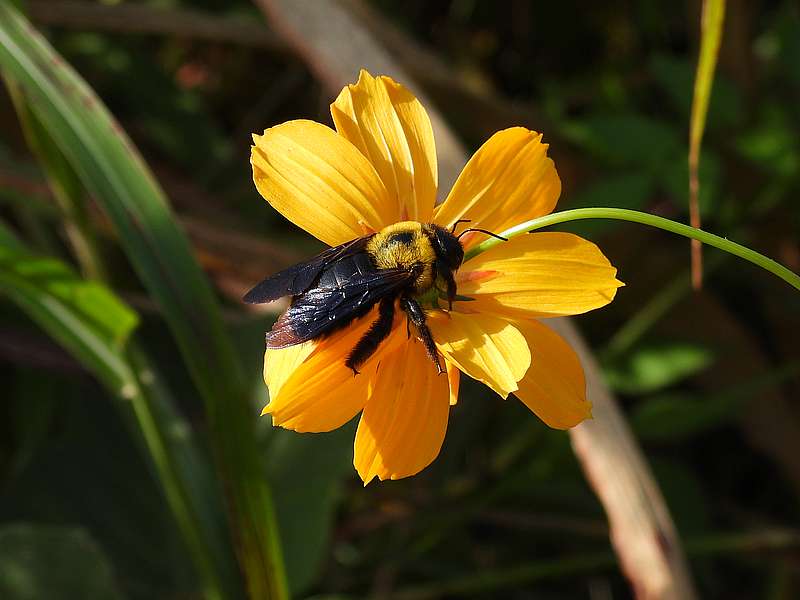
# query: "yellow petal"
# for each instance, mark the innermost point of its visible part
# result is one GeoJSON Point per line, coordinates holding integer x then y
{"type": "Point", "coordinates": [453, 380]}
{"type": "Point", "coordinates": [280, 364]}
{"type": "Point", "coordinates": [538, 275]}
{"type": "Point", "coordinates": [391, 128]}
{"type": "Point", "coordinates": [554, 387]}
{"type": "Point", "coordinates": [507, 181]}
{"type": "Point", "coordinates": [320, 182]}
{"type": "Point", "coordinates": [311, 389]}
{"type": "Point", "coordinates": [403, 425]}
{"type": "Point", "coordinates": [484, 347]}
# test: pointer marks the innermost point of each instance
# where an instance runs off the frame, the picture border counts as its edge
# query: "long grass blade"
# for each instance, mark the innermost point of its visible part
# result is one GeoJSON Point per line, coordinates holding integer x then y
{"type": "Point", "coordinates": [118, 179]}
{"type": "Point", "coordinates": [91, 323]}
{"type": "Point", "coordinates": [711, 34]}
{"type": "Point", "coordinates": [65, 185]}
{"type": "Point", "coordinates": [186, 479]}
{"type": "Point", "coordinates": [82, 316]}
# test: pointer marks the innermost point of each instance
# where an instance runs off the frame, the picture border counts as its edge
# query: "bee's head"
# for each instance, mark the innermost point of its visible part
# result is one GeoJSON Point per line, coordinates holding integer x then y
{"type": "Point", "coordinates": [447, 247]}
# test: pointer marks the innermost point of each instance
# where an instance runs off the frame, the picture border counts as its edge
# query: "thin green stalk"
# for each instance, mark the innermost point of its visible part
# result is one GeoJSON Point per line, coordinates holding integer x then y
{"type": "Point", "coordinates": [64, 184]}
{"type": "Point", "coordinates": [206, 548]}
{"type": "Point", "coordinates": [635, 216]}
{"type": "Point", "coordinates": [670, 294]}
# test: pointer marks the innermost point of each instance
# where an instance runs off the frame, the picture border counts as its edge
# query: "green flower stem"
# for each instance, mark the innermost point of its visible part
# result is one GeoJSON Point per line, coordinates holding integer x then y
{"type": "Point", "coordinates": [635, 216]}
{"type": "Point", "coordinates": [668, 296]}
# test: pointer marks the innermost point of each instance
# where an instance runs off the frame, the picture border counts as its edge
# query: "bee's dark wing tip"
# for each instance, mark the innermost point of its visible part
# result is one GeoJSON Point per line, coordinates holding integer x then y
{"type": "Point", "coordinates": [251, 298]}
{"type": "Point", "coordinates": [266, 291]}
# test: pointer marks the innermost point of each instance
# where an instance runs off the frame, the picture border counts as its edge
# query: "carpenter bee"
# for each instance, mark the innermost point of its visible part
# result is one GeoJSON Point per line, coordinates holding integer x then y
{"type": "Point", "coordinates": [402, 263]}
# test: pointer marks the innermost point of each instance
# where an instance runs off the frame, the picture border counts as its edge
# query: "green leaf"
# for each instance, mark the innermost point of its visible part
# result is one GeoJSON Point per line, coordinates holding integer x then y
{"type": "Point", "coordinates": [306, 472]}
{"type": "Point", "coordinates": [40, 561]}
{"type": "Point", "coordinates": [675, 76]}
{"type": "Point", "coordinates": [115, 175]}
{"type": "Point", "coordinates": [683, 491]}
{"type": "Point", "coordinates": [8, 238]}
{"type": "Point", "coordinates": [677, 417]}
{"type": "Point", "coordinates": [93, 302]}
{"type": "Point", "coordinates": [627, 139]}
{"type": "Point", "coordinates": [150, 409]}
{"type": "Point", "coordinates": [789, 48]}
{"type": "Point", "coordinates": [84, 317]}
{"type": "Point", "coordinates": [306, 498]}
{"type": "Point", "coordinates": [654, 366]}
{"type": "Point", "coordinates": [675, 179]}
{"type": "Point", "coordinates": [65, 186]}
{"type": "Point", "coordinates": [66, 307]}
{"type": "Point", "coordinates": [32, 406]}
{"type": "Point", "coordinates": [771, 143]}
{"type": "Point", "coordinates": [127, 514]}
{"type": "Point", "coordinates": [626, 190]}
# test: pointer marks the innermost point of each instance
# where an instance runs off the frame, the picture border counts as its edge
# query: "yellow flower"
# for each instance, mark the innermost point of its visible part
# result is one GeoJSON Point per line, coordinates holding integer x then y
{"type": "Point", "coordinates": [378, 168]}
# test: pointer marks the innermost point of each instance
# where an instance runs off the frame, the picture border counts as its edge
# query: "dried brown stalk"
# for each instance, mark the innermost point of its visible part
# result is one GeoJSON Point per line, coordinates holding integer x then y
{"type": "Point", "coordinates": [335, 45]}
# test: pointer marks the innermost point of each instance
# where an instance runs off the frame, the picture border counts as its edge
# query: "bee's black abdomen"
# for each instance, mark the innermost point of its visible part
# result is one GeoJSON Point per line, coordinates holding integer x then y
{"type": "Point", "coordinates": [339, 274]}
{"type": "Point", "coordinates": [344, 291]}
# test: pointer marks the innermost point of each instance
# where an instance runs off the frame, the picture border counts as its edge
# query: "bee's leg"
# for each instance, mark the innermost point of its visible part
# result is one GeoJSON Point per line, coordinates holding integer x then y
{"type": "Point", "coordinates": [417, 316]}
{"type": "Point", "coordinates": [377, 332]}
{"type": "Point", "coordinates": [447, 275]}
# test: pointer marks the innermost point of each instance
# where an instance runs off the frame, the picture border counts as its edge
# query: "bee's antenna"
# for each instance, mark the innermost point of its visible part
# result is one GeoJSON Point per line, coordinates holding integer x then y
{"type": "Point", "coordinates": [494, 235]}
{"type": "Point", "coordinates": [453, 229]}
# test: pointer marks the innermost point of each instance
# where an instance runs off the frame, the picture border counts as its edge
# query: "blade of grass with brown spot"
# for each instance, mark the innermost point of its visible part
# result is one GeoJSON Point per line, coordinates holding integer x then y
{"type": "Point", "coordinates": [187, 480]}
{"type": "Point", "coordinates": [94, 326]}
{"type": "Point", "coordinates": [115, 175]}
{"type": "Point", "coordinates": [711, 34]}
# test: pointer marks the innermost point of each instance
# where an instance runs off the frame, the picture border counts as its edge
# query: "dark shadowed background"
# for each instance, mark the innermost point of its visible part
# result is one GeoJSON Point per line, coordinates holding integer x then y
{"type": "Point", "coordinates": [708, 380]}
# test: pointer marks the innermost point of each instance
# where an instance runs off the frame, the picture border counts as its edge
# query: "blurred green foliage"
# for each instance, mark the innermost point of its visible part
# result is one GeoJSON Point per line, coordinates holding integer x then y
{"type": "Point", "coordinates": [53, 562]}
{"type": "Point", "coordinates": [708, 379]}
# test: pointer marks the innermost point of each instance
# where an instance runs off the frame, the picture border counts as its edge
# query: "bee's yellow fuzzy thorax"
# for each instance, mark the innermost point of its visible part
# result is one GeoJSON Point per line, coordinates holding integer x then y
{"type": "Point", "coordinates": [402, 245]}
